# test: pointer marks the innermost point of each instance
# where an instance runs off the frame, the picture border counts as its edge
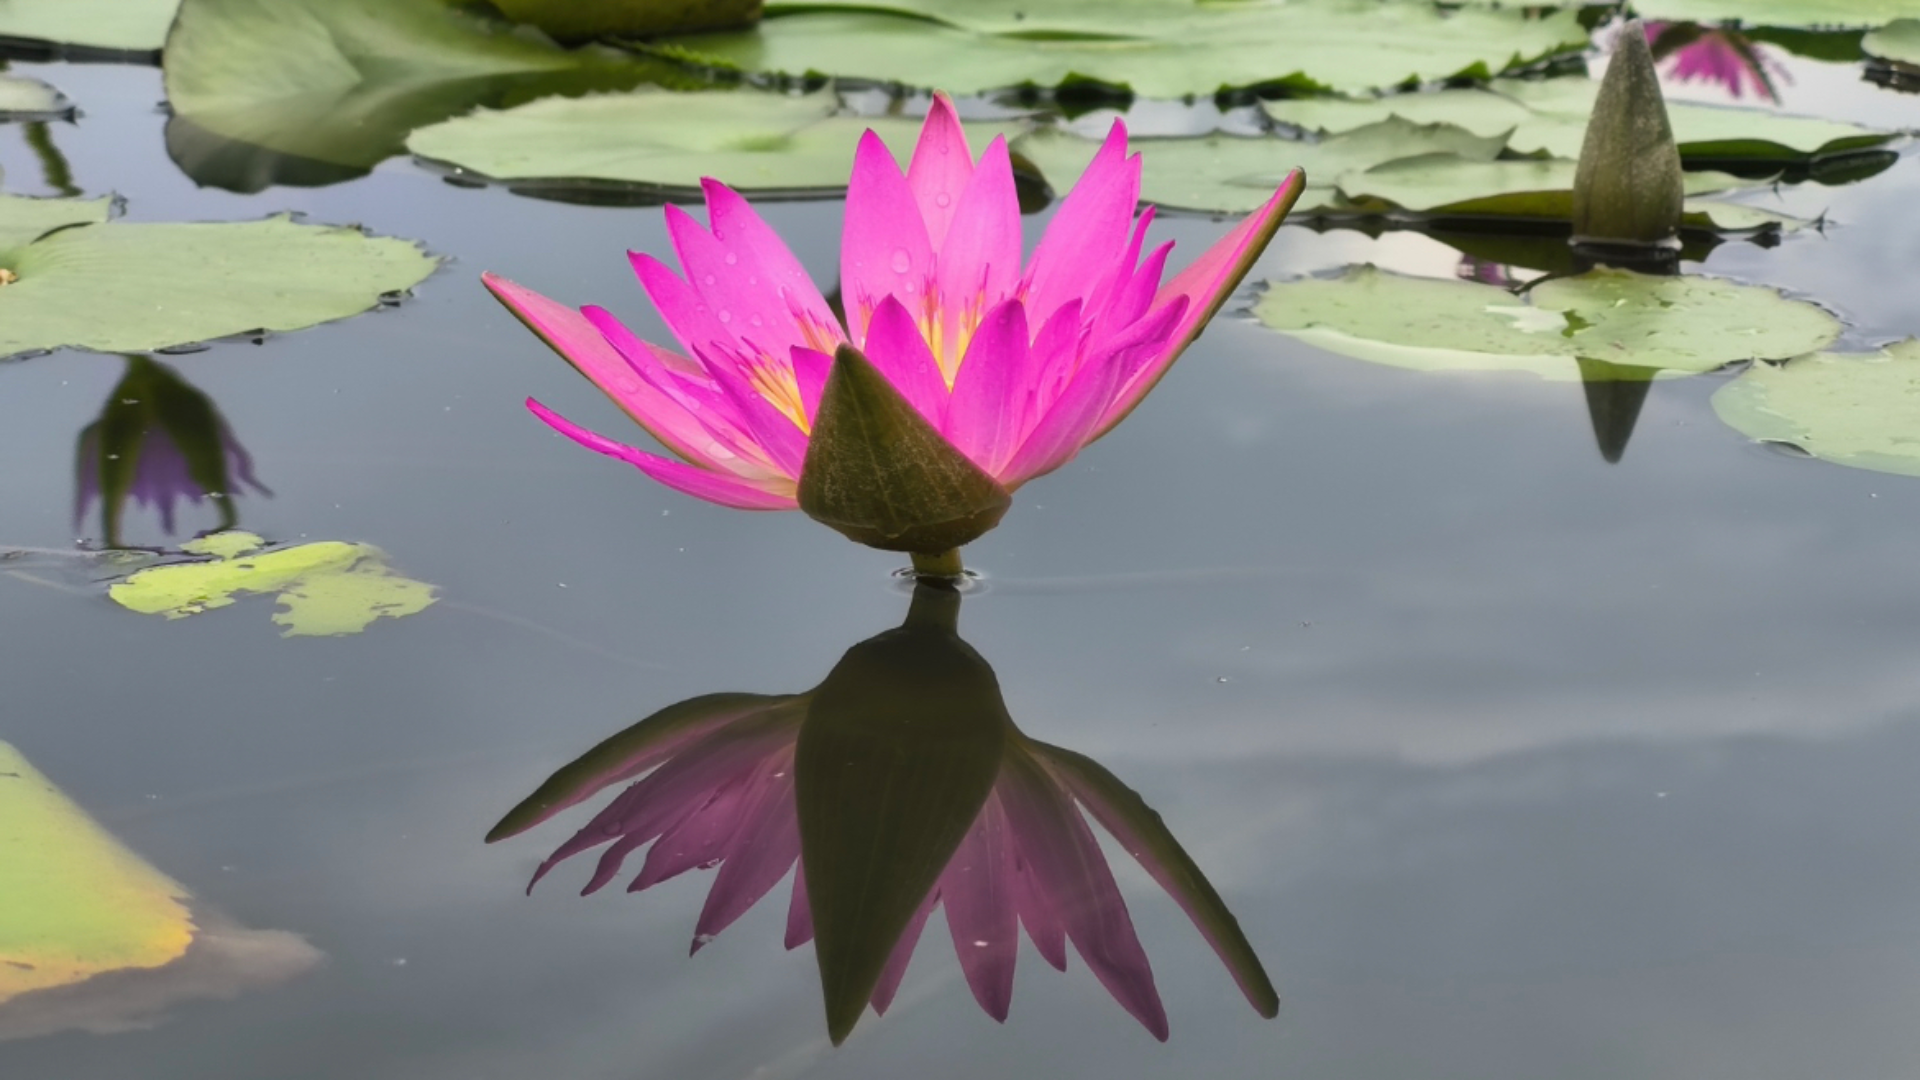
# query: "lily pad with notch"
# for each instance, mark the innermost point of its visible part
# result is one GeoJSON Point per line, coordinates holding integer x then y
{"type": "Point", "coordinates": [1859, 410]}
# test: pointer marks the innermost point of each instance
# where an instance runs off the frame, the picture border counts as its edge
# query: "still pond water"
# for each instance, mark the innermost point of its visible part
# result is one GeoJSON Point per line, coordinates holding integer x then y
{"type": "Point", "coordinates": [1510, 761]}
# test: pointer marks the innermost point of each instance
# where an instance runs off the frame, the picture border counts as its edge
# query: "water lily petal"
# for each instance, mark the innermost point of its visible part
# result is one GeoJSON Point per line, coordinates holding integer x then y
{"type": "Point", "coordinates": [1134, 296]}
{"type": "Point", "coordinates": [753, 316]}
{"type": "Point", "coordinates": [764, 846]}
{"type": "Point", "coordinates": [1069, 424]}
{"type": "Point", "coordinates": [723, 488]}
{"type": "Point", "coordinates": [981, 418]}
{"type": "Point", "coordinates": [686, 313]}
{"type": "Point", "coordinates": [799, 911]}
{"type": "Point", "coordinates": [1049, 937]}
{"type": "Point", "coordinates": [896, 969]}
{"type": "Point", "coordinates": [1124, 268]}
{"type": "Point", "coordinates": [1090, 230]}
{"type": "Point", "coordinates": [942, 164]}
{"type": "Point", "coordinates": [699, 839]}
{"type": "Point", "coordinates": [1206, 284]}
{"type": "Point", "coordinates": [977, 891]}
{"type": "Point", "coordinates": [895, 347]}
{"type": "Point", "coordinates": [772, 429]}
{"type": "Point", "coordinates": [1067, 863]}
{"type": "Point", "coordinates": [580, 343]}
{"type": "Point", "coordinates": [979, 264]}
{"type": "Point", "coordinates": [810, 370]}
{"type": "Point", "coordinates": [884, 250]}
{"type": "Point", "coordinates": [740, 230]}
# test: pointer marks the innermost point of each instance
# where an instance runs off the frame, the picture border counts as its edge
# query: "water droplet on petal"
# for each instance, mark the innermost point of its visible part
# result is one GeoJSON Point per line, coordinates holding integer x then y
{"type": "Point", "coordinates": [756, 320]}
{"type": "Point", "coordinates": [709, 279]}
{"type": "Point", "coordinates": [732, 259]}
{"type": "Point", "coordinates": [726, 316]}
{"type": "Point", "coordinates": [943, 200]}
{"type": "Point", "coordinates": [902, 262]}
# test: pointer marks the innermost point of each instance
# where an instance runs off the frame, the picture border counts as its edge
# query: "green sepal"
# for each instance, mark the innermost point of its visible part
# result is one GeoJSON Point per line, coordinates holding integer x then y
{"type": "Point", "coordinates": [1628, 187]}
{"type": "Point", "coordinates": [898, 754]}
{"type": "Point", "coordinates": [877, 472]}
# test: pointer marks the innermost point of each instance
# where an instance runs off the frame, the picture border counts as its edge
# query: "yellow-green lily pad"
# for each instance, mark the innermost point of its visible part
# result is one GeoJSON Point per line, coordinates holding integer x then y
{"type": "Point", "coordinates": [109, 25]}
{"type": "Point", "coordinates": [120, 287]}
{"type": "Point", "coordinates": [325, 588]}
{"type": "Point", "coordinates": [24, 98]}
{"type": "Point", "coordinates": [1679, 323]}
{"type": "Point", "coordinates": [1861, 410]}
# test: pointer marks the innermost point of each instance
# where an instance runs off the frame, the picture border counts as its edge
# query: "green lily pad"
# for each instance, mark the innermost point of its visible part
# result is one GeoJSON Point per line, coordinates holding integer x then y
{"type": "Point", "coordinates": [325, 588]}
{"type": "Point", "coordinates": [110, 25]}
{"type": "Point", "coordinates": [1857, 410]}
{"type": "Point", "coordinates": [1157, 48]}
{"type": "Point", "coordinates": [752, 140]}
{"type": "Point", "coordinates": [1684, 324]}
{"type": "Point", "coordinates": [24, 98]}
{"type": "Point", "coordinates": [316, 91]}
{"type": "Point", "coordinates": [1236, 174]}
{"type": "Point", "coordinates": [1549, 116]}
{"type": "Point", "coordinates": [1833, 13]}
{"type": "Point", "coordinates": [118, 287]}
{"type": "Point", "coordinates": [24, 219]}
{"type": "Point", "coordinates": [1898, 40]}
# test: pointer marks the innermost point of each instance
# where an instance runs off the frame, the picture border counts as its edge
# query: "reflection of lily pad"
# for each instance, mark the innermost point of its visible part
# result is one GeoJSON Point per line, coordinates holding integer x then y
{"type": "Point", "coordinates": [313, 91]}
{"type": "Point", "coordinates": [1780, 12]}
{"type": "Point", "coordinates": [1898, 40]}
{"type": "Point", "coordinates": [120, 287]}
{"type": "Point", "coordinates": [23, 98]}
{"type": "Point", "coordinates": [1158, 48]}
{"type": "Point", "coordinates": [752, 140]}
{"type": "Point", "coordinates": [1687, 324]}
{"type": "Point", "coordinates": [1862, 411]}
{"type": "Point", "coordinates": [1549, 116]}
{"type": "Point", "coordinates": [114, 25]}
{"type": "Point", "coordinates": [325, 588]}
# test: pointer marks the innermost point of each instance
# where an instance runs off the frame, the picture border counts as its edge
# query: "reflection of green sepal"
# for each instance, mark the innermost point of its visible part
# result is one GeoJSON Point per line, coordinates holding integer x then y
{"type": "Point", "coordinates": [1615, 393]}
{"type": "Point", "coordinates": [151, 401]}
{"type": "Point", "coordinates": [1122, 812]}
{"type": "Point", "coordinates": [899, 751]}
{"type": "Point", "coordinates": [877, 471]}
{"type": "Point", "coordinates": [631, 752]}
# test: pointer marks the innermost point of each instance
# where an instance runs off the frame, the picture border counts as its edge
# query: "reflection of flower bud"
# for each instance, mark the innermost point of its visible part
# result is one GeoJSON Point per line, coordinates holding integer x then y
{"type": "Point", "coordinates": [1628, 186]}
{"type": "Point", "coordinates": [899, 784]}
{"type": "Point", "coordinates": [158, 441]}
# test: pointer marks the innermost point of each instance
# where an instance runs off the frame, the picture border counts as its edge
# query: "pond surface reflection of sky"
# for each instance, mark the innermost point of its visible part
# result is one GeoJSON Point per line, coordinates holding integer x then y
{"type": "Point", "coordinates": [1508, 761]}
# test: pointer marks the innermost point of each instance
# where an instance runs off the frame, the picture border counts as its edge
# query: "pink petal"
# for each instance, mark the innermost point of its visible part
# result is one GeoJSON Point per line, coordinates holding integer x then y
{"type": "Point", "coordinates": [983, 417]}
{"type": "Point", "coordinates": [681, 306]}
{"type": "Point", "coordinates": [1036, 913]}
{"type": "Point", "coordinates": [884, 250]}
{"type": "Point", "coordinates": [1123, 269]}
{"type": "Point", "coordinates": [1090, 231]}
{"type": "Point", "coordinates": [711, 423]}
{"type": "Point", "coordinates": [810, 370]}
{"type": "Point", "coordinates": [979, 264]}
{"type": "Point", "coordinates": [736, 225]}
{"type": "Point", "coordinates": [1067, 863]}
{"type": "Point", "coordinates": [761, 851]}
{"type": "Point", "coordinates": [977, 890]}
{"type": "Point", "coordinates": [1055, 357]}
{"type": "Point", "coordinates": [745, 301]}
{"type": "Point", "coordinates": [771, 429]}
{"type": "Point", "coordinates": [896, 968]}
{"type": "Point", "coordinates": [1134, 297]}
{"type": "Point", "coordinates": [699, 839]}
{"type": "Point", "coordinates": [896, 347]}
{"type": "Point", "coordinates": [715, 487]}
{"type": "Point", "coordinates": [941, 167]}
{"type": "Point", "coordinates": [1206, 284]}
{"type": "Point", "coordinates": [574, 337]}
{"type": "Point", "coordinates": [1070, 423]}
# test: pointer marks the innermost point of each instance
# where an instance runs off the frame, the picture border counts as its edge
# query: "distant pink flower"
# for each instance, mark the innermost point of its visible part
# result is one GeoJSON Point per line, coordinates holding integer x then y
{"type": "Point", "coordinates": [1725, 57]}
{"type": "Point", "coordinates": [1017, 369]}
{"type": "Point", "coordinates": [721, 792]}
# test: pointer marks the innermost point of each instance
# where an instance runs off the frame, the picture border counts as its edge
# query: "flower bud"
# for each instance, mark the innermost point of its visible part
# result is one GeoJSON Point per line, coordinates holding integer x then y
{"type": "Point", "coordinates": [1627, 189]}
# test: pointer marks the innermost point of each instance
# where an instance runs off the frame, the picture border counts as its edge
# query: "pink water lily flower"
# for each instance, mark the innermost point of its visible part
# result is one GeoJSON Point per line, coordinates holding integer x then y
{"type": "Point", "coordinates": [1016, 367]}
{"type": "Point", "coordinates": [1721, 55]}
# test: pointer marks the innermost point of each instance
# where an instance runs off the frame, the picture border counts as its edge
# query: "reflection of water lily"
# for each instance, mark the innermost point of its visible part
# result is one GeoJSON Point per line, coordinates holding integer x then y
{"type": "Point", "coordinates": [1015, 370]}
{"type": "Point", "coordinates": [731, 786]}
{"type": "Point", "coordinates": [1717, 55]}
{"type": "Point", "coordinates": [158, 442]}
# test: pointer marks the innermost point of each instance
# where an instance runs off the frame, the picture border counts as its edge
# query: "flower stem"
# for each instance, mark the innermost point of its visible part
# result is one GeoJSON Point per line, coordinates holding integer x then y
{"type": "Point", "coordinates": [945, 564]}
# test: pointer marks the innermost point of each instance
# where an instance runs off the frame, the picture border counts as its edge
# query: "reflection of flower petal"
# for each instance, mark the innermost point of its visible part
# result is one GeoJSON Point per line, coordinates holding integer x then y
{"type": "Point", "coordinates": [765, 847]}
{"type": "Point", "coordinates": [977, 889]}
{"type": "Point", "coordinates": [896, 968]}
{"type": "Point", "coordinates": [799, 914]}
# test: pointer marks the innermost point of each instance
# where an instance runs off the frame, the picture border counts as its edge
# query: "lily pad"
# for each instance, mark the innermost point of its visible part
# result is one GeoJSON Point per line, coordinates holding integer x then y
{"type": "Point", "coordinates": [1237, 174]}
{"type": "Point", "coordinates": [119, 287]}
{"type": "Point", "coordinates": [108, 25]}
{"type": "Point", "coordinates": [1549, 116]}
{"type": "Point", "coordinates": [316, 91]}
{"type": "Point", "coordinates": [1683, 324]}
{"type": "Point", "coordinates": [1857, 410]}
{"type": "Point", "coordinates": [1831, 13]}
{"type": "Point", "coordinates": [22, 98]}
{"type": "Point", "coordinates": [1157, 48]}
{"type": "Point", "coordinates": [325, 588]}
{"type": "Point", "coordinates": [752, 140]}
{"type": "Point", "coordinates": [1898, 40]}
